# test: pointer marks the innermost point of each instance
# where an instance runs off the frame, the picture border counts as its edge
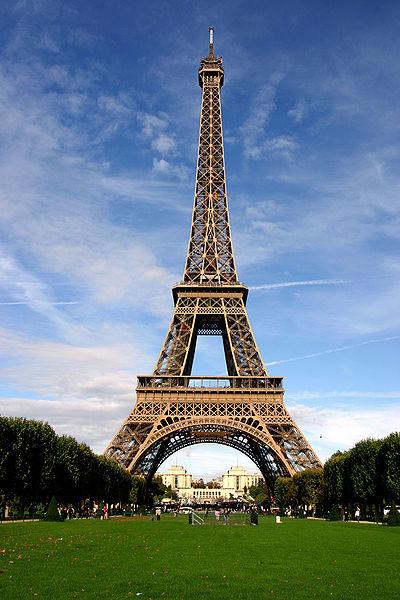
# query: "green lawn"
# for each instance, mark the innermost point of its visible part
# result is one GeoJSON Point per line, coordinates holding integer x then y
{"type": "Point", "coordinates": [143, 559]}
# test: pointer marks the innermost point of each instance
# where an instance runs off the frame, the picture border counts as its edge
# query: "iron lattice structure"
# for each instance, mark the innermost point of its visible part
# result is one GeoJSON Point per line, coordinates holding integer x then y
{"type": "Point", "coordinates": [244, 410]}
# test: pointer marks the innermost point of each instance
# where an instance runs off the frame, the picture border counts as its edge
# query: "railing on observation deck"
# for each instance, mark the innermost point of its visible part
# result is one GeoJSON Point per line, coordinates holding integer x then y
{"type": "Point", "coordinates": [187, 381]}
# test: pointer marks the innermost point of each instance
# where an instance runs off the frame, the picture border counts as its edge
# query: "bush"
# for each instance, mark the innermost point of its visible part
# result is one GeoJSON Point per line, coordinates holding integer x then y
{"type": "Point", "coordinates": [52, 511]}
{"type": "Point", "coordinates": [393, 518]}
{"type": "Point", "coordinates": [334, 514]}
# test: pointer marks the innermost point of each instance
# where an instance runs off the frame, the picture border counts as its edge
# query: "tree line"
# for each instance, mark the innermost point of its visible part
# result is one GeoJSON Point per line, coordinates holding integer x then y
{"type": "Point", "coordinates": [367, 475]}
{"type": "Point", "coordinates": [36, 463]}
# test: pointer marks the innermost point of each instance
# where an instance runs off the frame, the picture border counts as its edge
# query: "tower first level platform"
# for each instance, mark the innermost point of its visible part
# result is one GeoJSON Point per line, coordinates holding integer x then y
{"type": "Point", "coordinates": [246, 413]}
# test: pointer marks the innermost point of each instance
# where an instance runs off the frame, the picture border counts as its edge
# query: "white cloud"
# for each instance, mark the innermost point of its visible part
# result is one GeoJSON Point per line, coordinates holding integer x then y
{"type": "Point", "coordinates": [282, 145]}
{"type": "Point", "coordinates": [299, 111]}
{"type": "Point", "coordinates": [118, 106]}
{"type": "Point", "coordinates": [152, 125]}
{"type": "Point", "coordinates": [161, 165]}
{"type": "Point", "coordinates": [46, 42]}
{"type": "Point", "coordinates": [333, 223]}
{"type": "Point", "coordinates": [73, 416]}
{"type": "Point", "coordinates": [254, 131]}
{"type": "Point", "coordinates": [154, 129]}
{"type": "Point", "coordinates": [164, 167]}
{"type": "Point", "coordinates": [164, 144]}
{"type": "Point", "coordinates": [30, 291]}
{"type": "Point", "coordinates": [83, 390]}
{"type": "Point", "coordinates": [58, 302]}
{"type": "Point", "coordinates": [254, 127]}
{"type": "Point", "coordinates": [340, 427]}
{"type": "Point", "coordinates": [54, 201]}
{"type": "Point", "coordinates": [355, 394]}
{"type": "Point", "coordinates": [333, 350]}
{"type": "Point", "coordinates": [284, 284]}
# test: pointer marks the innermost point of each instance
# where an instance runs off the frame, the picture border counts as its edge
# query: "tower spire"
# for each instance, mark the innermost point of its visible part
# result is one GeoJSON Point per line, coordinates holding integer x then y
{"type": "Point", "coordinates": [211, 33]}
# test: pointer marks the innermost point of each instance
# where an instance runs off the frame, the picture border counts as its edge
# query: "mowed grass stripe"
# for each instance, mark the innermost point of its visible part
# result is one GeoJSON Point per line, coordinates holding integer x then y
{"type": "Point", "coordinates": [115, 559]}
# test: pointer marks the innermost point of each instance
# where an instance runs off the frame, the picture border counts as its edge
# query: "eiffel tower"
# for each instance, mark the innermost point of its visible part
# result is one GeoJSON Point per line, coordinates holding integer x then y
{"type": "Point", "coordinates": [244, 410]}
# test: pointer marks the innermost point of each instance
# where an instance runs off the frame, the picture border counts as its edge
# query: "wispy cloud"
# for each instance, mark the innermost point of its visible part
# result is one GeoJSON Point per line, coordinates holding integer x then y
{"type": "Point", "coordinates": [84, 389]}
{"type": "Point", "coordinates": [333, 350]}
{"type": "Point", "coordinates": [165, 167]}
{"type": "Point", "coordinates": [343, 394]}
{"type": "Point", "coordinates": [284, 284]}
{"type": "Point", "coordinates": [299, 111]}
{"type": "Point", "coordinates": [60, 302]}
{"type": "Point", "coordinates": [61, 216]}
{"type": "Point", "coordinates": [340, 427]}
{"type": "Point", "coordinates": [253, 132]}
{"type": "Point", "coordinates": [28, 290]}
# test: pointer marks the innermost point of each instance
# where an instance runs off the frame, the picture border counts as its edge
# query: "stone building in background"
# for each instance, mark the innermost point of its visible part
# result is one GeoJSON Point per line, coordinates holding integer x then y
{"type": "Point", "coordinates": [233, 484]}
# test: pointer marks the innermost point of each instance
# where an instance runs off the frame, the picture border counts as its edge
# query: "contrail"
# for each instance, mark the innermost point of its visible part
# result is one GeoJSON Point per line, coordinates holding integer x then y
{"type": "Point", "coordinates": [16, 303]}
{"type": "Point", "coordinates": [272, 286]}
{"type": "Point", "coordinates": [386, 339]}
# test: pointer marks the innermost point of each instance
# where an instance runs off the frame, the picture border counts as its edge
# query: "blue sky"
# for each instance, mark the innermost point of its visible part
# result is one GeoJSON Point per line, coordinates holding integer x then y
{"type": "Point", "coordinates": [98, 137]}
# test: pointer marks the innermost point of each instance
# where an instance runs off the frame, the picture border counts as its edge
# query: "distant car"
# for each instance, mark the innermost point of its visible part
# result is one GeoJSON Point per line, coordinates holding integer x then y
{"type": "Point", "coordinates": [185, 510]}
{"type": "Point", "coordinates": [386, 510]}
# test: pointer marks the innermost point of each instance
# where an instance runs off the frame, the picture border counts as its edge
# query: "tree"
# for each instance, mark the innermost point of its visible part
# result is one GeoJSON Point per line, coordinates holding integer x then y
{"type": "Point", "coordinates": [310, 487]}
{"type": "Point", "coordinates": [52, 510]}
{"type": "Point", "coordinates": [336, 478]}
{"type": "Point", "coordinates": [260, 492]}
{"type": "Point", "coordinates": [389, 468]}
{"type": "Point", "coordinates": [35, 450]}
{"type": "Point", "coordinates": [90, 484]}
{"type": "Point", "coordinates": [170, 493]}
{"type": "Point", "coordinates": [364, 484]}
{"type": "Point", "coordinates": [393, 518]}
{"type": "Point", "coordinates": [156, 490]}
{"type": "Point", "coordinates": [8, 435]}
{"type": "Point", "coordinates": [285, 492]}
{"type": "Point", "coordinates": [68, 469]}
{"type": "Point", "coordinates": [114, 483]}
{"type": "Point", "coordinates": [198, 483]}
{"type": "Point", "coordinates": [138, 491]}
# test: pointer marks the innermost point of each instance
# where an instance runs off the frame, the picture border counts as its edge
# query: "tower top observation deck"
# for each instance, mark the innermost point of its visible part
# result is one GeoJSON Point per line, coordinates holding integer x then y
{"type": "Point", "coordinates": [211, 65]}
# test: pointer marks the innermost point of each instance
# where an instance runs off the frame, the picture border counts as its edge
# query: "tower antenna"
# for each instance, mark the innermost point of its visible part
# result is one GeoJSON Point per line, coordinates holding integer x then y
{"type": "Point", "coordinates": [211, 32]}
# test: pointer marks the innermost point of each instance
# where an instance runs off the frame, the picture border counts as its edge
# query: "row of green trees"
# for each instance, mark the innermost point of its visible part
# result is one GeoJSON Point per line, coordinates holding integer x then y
{"type": "Point", "coordinates": [36, 463]}
{"type": "Point", "coordinates": [367, 475]}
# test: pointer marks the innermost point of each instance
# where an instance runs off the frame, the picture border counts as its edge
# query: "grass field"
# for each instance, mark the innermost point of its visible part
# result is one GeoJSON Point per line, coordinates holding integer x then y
{"type": "Point", "coordinates": [144, 559]}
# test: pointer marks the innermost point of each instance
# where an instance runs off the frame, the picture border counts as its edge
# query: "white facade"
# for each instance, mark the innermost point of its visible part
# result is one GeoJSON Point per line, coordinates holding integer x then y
{"type": "Point", "coordinates": [177, 477]}
{"type": "Point", "coordinates": [238, 478]}
{"type": "Point", "coordinates": [235, 483]}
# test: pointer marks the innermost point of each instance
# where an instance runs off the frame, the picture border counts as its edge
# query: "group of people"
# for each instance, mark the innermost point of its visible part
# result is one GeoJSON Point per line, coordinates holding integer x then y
{"type": "Point", "coordinates": [296, 513]}
{"type": "Point", "coordinates": [83, 512]}
{"type": "Point", "coordinates": [224, 513]}
{"type": "Point", "coordinates": [344, 514]}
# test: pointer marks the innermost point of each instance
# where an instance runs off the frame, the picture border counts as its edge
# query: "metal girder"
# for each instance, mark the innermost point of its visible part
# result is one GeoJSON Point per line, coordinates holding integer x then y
{"type": "Point", "coordinates": [193, 316]}
{"type": "Point", "coordinates": [210, 254]}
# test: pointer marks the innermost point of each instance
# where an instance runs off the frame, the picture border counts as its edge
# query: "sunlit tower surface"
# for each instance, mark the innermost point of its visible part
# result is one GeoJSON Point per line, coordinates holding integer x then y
{"type": "Point", "coordinates": [244, 410]}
